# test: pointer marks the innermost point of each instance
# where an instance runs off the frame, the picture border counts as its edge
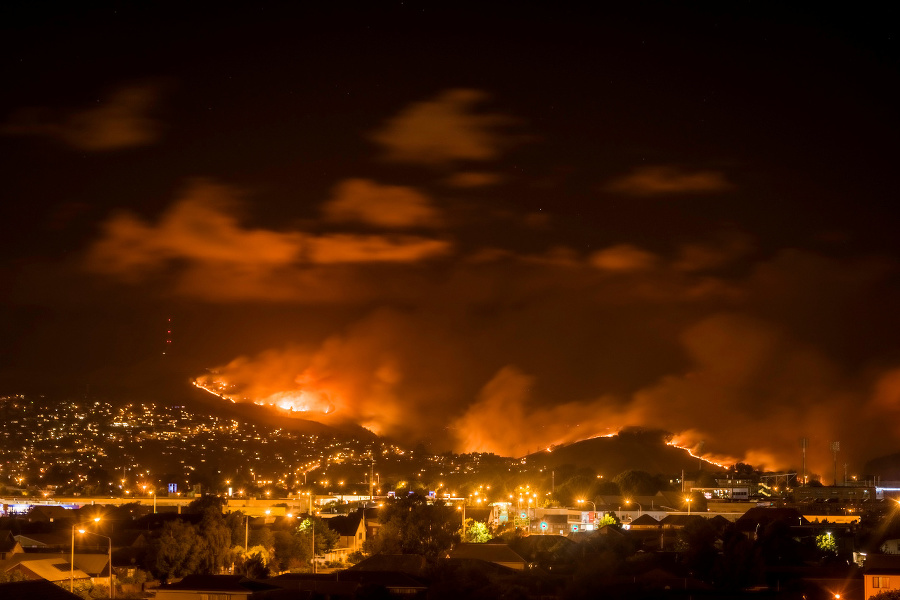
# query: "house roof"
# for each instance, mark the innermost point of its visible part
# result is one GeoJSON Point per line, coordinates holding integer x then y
{"type": "Point", "coordinates": [679, 520]}
{"type": "Point", "coordinates": [345, 525]}
{"type": "Point", "coordinates": [387, 579]}
{"type": "Point", "coordinates": [43, 540]}
{"type": "Point", "coordinates": [30, 590]}
{"type": "Point", "coordinates": [610, 530]}
{"type": "Point", "coordinates": [412, 564]}
{"type": "Point", "coordinates": [645, 521]}
{"type": "Point", "coordinates": [495, 553]}
{"type": "Point", "coordinates": [49, 512]}
{"type": "Point", "coordinates": [882, 564]}
{"type": "Point", "coordinates": [762, 516]}
{"type": "Point", "coordinates": [218, 583]}
{"type": "Point", "coordinates": [53, 569]}
{"type": "Point", "coordinates": [92, 565]}
{"type": "Point", "coordinates": [320, 585]}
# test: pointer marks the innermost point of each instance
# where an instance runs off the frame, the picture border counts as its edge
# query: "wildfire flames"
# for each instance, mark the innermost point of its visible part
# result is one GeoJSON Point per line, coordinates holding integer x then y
{"type": "Point", "coordinates": [298, 401]}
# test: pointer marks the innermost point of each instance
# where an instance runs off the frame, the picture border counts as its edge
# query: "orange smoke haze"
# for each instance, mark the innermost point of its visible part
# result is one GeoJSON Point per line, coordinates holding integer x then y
{"type": "Point", "coordinates": [751, 394]}
{"type": "Point", "coordinates": [470, 324]}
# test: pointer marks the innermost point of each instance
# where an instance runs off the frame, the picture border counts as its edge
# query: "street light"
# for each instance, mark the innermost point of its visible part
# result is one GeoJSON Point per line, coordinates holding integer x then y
{"type": "Point", "coordinates": [640, 508]}
{"type": "Point", "coordinates": [246, 531]}
{"type": "Point", "coordinates": [688, 500]}
{"type": "Point", "coordinates": [463, 507]}
{"type": "Point", "coordinates": [592, 504]}
{"type": "Point", "coordinates": [72, 565]}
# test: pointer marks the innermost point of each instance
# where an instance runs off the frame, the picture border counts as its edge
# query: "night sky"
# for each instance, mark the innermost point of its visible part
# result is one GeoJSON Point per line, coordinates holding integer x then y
{"type": "Point", "coordinates": [485, 229]}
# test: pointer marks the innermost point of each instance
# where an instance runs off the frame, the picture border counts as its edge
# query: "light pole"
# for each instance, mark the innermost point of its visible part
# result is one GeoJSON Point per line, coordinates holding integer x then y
{"type": "Point", "coordinates": [463, 508]}
{"type": "Point", "coordinates": [594, 506]}
{"type": "Point", "coordinates": [640, 508]}
{"type": "Point", "coordinates": [109, 539]}
{"type": "Point", "coordinates": [688, 500]}
{"type": "Point", "coordinates": [72, 566]}
{"type": "Point", "coordinates": [246, 531]}
{"type": "Point", "coordinates": [312, 525]}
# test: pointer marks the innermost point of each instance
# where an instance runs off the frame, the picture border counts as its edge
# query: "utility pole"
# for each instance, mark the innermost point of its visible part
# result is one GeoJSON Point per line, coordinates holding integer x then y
{"type": "Point", "coordinates": [700, 454]}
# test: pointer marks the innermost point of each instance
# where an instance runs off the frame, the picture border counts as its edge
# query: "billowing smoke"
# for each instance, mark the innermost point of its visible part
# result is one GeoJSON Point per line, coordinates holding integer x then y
{"type": "Point", "coordinates": [478, 327]}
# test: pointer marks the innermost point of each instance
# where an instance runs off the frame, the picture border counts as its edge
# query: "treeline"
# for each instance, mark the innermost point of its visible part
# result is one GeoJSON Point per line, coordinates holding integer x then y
{"type": "Point", "coordinates": [210, 543]}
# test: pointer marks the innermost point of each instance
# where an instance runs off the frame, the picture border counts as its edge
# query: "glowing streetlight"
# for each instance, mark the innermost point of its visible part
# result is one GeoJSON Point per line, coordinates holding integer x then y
{"type": "Point", "coordinates": [640, 508]}
{"type": "Point", "coordinates": [72, 564]}
{"type": "Point", "coordinates": [688, 500]}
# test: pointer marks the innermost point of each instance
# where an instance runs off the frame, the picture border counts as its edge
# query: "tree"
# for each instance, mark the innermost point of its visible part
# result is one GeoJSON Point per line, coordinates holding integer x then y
{"type": "Point", "coordinates": [697, 501]}
{"type": "Point", "coordinates": [256, 562]}
{"type": "Point", "coordinates": [11, 576]}
{"type": "Point", "coordinates": [608, 519]}
{"type": "Point", "coordinates": [237, 526]}
{"type": "Point", "coordinates": [575, 488]}
{"type": "Point", "coordinates": [412, 526]}
{"type": "Point", "coordinates": [202, 503]}
{"type": "Point", "coordinates": [477, 532]}
{"type": "Point", "coordinates": [262, 537]}
{"type": "Point", "coordinates": [743, 469]}
{"type": "Point", "coordinates": [176, 552]}
{"type": "Point", "coordinates": [290, 550]}
{"type": "Point", "coordinates": [636, 483]}
{"type": "Point", "coordinates": [316, 527]}
{"type": "Point", "coordinates": [826, 542]}
{"type": "Point", "coordinates": [886, 595]}
{"type": "Point", "coordinates": [216, 536]}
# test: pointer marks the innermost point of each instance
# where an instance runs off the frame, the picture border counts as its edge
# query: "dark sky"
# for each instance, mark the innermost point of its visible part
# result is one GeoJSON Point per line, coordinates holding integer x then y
{"type": "Point", "coordinates": [488, 229]}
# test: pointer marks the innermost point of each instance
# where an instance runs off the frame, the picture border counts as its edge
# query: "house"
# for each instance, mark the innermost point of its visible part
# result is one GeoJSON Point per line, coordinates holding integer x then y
{"type": "Point", "coordinates": [8, 545]}
{"type": "Point", "coordinates": [398, 585]}
{"type": "Point", "coordinates": [411, 564]}
{"type": "Point", "coordinates": [309, 585]}
{"type": "Point", "coordinates": [351, 529]}
{"type": "Point", "coordinates": [55, 570]}
{"type": "Point", "coordinates": [49, 514]}
{"type": "Point", "coordinates": [880, 574]}
{"type": "Point", "coordinates": [757, 519]}
{"type": "Point", "coordinates": [44, 540]}
{"type": "Point", "coordinates": [30, 590]}
{"type": "Point", "coordinates": [644, 523]}
{"type": "Point", "coordinates": [220, 587]}
{"type": "Point", "coordinates": [59, 567]}
{"type": "Point", "coordinates": [498, 554]}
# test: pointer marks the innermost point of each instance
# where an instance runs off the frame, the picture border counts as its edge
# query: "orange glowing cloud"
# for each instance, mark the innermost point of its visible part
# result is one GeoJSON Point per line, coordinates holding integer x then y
{"type": "Point", "coordinates": [623, 258]}
{"type": "Point", "coordinates": [473, 179]}
{"type": "Point", "coordinates": [700, 256]}
{"type": "Point", "coordinates": [443, 130]}
{"type": "Point", "coordinates": [202, 239]}
{"type": "Point", "coordinates": [659, 180]}
{"type": "Point", "coordinates": [391, 206]}
{"type": "Point", "coordinates": [121, 119]}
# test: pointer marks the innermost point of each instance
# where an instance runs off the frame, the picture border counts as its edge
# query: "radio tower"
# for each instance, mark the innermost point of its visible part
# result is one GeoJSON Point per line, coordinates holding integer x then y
{"type": "Point", "coordinates": [835, 448]}
{"type": "Point", "coordinates": [168, 336]}
{"type": "Point", "coordinates": [804, 443]}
